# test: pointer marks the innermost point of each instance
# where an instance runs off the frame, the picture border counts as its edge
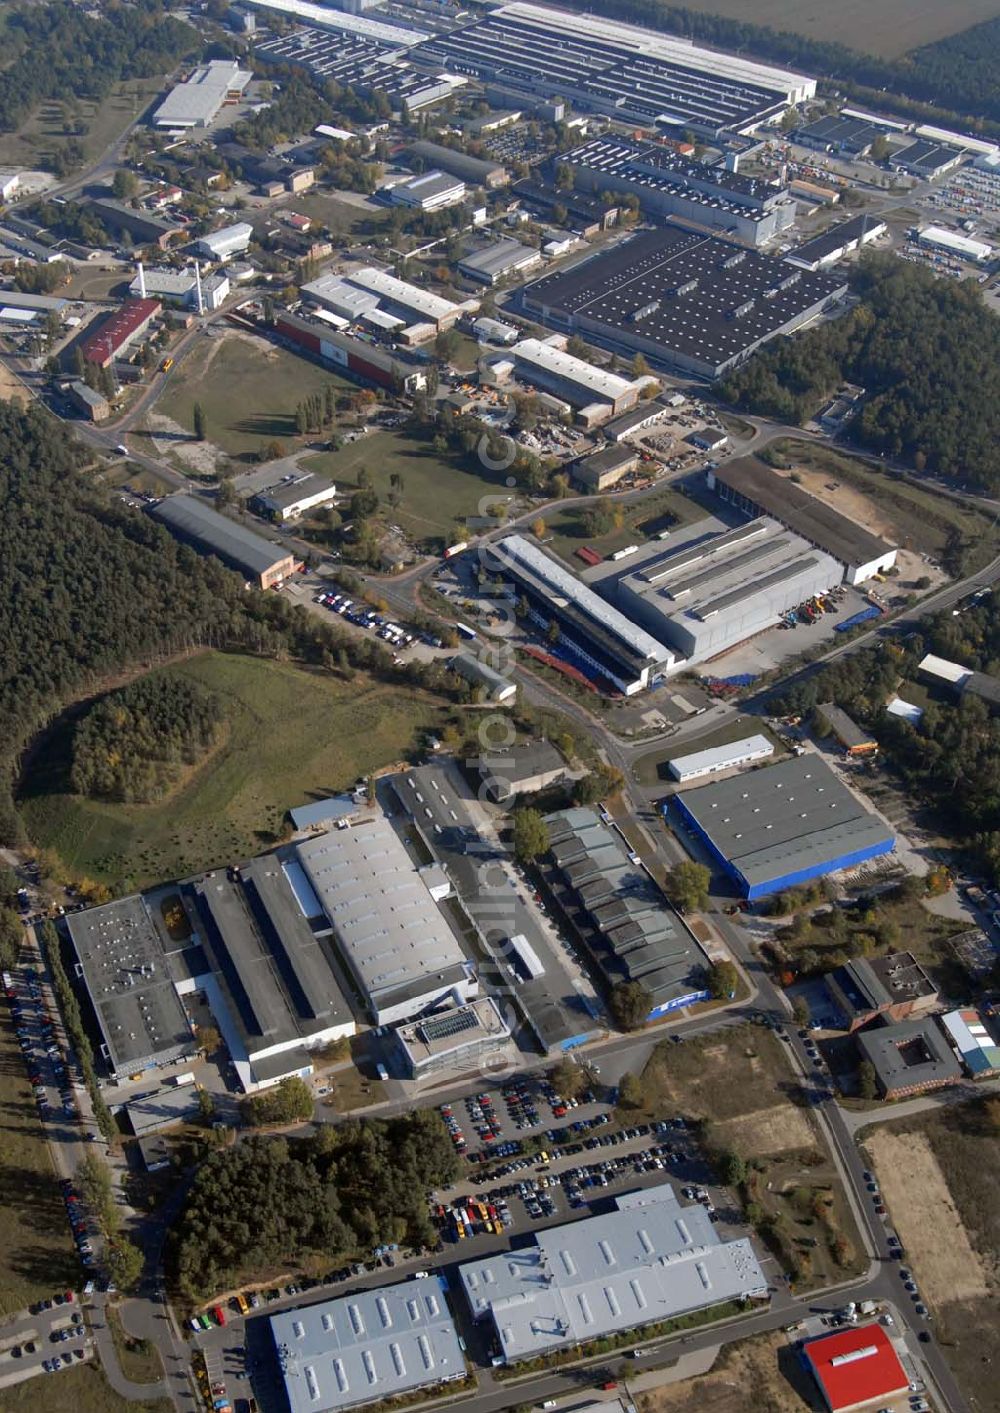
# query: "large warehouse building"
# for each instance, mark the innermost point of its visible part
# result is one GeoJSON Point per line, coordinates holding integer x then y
{"type": "Point", "coordinates": [688, 300]}
{"type": "Point", "coordinates": [856, 1368]}
{"type": "Point", "coordinates": [782, 825]}
{"type": "Point", "coordinates": [367, 1347]}
{"type": "Point", "coordinates": [271, 988]}
{"type": "Point", "coordinates": [386, 368]}
{"type": "Point", "coordinates": [115, 334]}
{"type": "Point", "coordinates": [705, 591]}
{"type": "Point", "coordinates": [260, 561]}
{"type": "Point", "coordinates": [631, 74]}
{"type": "Point", "coordinates": [544, 363]}
{"type": "Point", "coordinates": [388, 927]}
{"type": "Point", "coordinates": [647, 1261]}
{"type": "Point", "coordinates": [757, 489]}
{"type": "Point", "coordinates": [620, 913]}
{"type": "Point", "coordinates": [197, 102]}
{"type": "Point", "coordinates": [669, 184]}
{"type": "Point", "coordinates": [122, 963]}
{"type": "Point", "coordinates": [602, 639]}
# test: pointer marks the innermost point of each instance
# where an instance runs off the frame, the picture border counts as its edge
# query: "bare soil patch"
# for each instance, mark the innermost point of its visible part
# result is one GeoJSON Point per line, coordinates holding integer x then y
{"type": "Point", "coordinates": [758, 1376]}
{"type": "Point", "coordinates": [780, 1129]}
{"type": "Point", "coordinates": [926, 1217]}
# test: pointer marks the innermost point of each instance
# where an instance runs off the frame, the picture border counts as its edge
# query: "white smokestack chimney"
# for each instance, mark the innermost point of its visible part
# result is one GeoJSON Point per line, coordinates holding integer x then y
{"type": "Point", "coordinates": [197, 284]}
{"type": "Point", "coordinates": [142, 280]}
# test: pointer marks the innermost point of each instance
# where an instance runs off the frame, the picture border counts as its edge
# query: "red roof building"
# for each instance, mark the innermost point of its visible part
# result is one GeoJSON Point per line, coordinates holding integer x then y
{"type": "Point", "coordinates": [114, 334]}
{"type": "Point", "coordinates": [856, 1368]}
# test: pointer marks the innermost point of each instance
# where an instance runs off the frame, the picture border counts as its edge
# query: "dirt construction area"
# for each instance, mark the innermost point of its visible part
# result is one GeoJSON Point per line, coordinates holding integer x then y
{"type": "Point", "coordinates": [926, 1218]}
{"type": "Point", "coordinates": [11, 388]}
{"type": "Point", "coordinates": [777, 1130]}
{"type": "Point", "coordinates": [759, 1376]}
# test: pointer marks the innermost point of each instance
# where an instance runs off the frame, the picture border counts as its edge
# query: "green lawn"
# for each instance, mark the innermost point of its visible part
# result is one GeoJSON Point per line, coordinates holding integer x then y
{"type": "Point", "coordinates": [248, 389]}
{"type": "Point", "coordinates": [438, 492]}
{"type": "Point", "coordinates": [83, 1389]}
{"type": "Point", "coordinates": [291, 735]}
{"type": "Point", "coordinates": [641, 520]}
{"type": "Point", "coordinates": [36, 1253]}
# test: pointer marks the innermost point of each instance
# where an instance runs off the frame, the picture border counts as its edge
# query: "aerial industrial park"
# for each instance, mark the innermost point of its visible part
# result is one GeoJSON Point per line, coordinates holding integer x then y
{"type": "Point", "coordinates": [499, 876]}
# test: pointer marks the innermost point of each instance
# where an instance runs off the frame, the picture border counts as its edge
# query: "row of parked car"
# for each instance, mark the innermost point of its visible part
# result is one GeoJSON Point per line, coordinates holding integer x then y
{"type": "Point", "coordinates": [365, 617]}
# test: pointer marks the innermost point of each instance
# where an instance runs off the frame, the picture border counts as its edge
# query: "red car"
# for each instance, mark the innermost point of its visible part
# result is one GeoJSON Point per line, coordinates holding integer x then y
{"type": "Point", "coordinates": [218, 1315]}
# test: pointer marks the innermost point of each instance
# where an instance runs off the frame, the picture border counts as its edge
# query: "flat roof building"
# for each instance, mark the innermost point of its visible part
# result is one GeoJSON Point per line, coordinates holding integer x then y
{"type": "Point", "coordinates": [620, 913]}
{"type": "Point", "coordinates": [669, 184]}
{"type": "Point", "coordinates": [431, 191]}
{"type": "Point", "coordinates": [909, 1058]}
{"type": "Point", "coordinates": [856, 1368]}
{"type": "Point", "coordinates": [708, 589]}
{"type": "Point", "coordinates": [630, 73]}
{"type": "Point", "coordinates": [279, 992]}
{"type": "Point", "coordinates": [647, 1261]}
{"type": "Point", "coordinates": [451, 1039]}
{"type": "Point", "coordinates": [291, 498]}
{"type": "Point", "coordinates": [545, 364]}
{"type": "Point", "coordinates": [522, 770]}
{"type": "Point", "coordinates": [475, 171]}
{"type": "Point", "coordinates": [412, 301]}
{"type": "Point", "coordinates": [495, 262]}
{"type": "Point", "coordinates": [162, 1110]}
{"type": "Point", "coordinates": [390, 932]}
{"type": "Point", "coordinates": [367, 1347]}
{"type": "Point", "coordinates": [394, 369]}
{"type": "Point", "coordinates": [360, 62]}
{"type": "Point", "coordinates": [954, 243]}
{"type": "Point", "coordinates": [974, 1043]}
{"type": "Point", "coordinates": [191, 519]}
{"type": "Point", "coordinates": [697, 764]}
{"type": "Point", "coordinates": [840, 240]}
{"type": "Point", "coordinates": [686, 299]}
{"type": "Point", "coordinates": [197, 101]}
{"type": "Point", "coordinates": [893, 988]}
{"type": "Point", "coordinates": [925, 160]}
{"type": "Point", "coordinates": [964, 680]}
{"type": "Point", "coordinates": [603, 640]}
{"type": "Point", "coordinates": [142, 226]}
{"type": "Point", "coordinates": [782, 825]}
{"type": "Point", "coordinates": [758, 489]}
{"type": "Point", "coordinates": [605, 468]}
{"type": "Point", "coordinates": [122, 963]}
{"type": "Point", "coordinates": [838, 132]}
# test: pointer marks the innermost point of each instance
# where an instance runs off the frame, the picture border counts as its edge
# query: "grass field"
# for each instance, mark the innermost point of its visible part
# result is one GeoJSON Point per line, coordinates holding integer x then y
{"type": "Point", "coordinates": [641, 519]}
{"type": "Point", "coordinates": [438, 492]}
{"type": "Point", "coordinates": [138, 1358]}
{"type": "Point", "coordinates": [292, 735]}
{"type": "Point", "coordinates": [248, 388]}
{"type": "Point", "coordinates": [738, 1085]}
{"type": "Point", "coordinates": [886, 27]}
{"type": "Point", "coordinates": [83, 1389]}
{"type": "Point", "coordinates": [937, 1172]}
{"type": "Point", "coordinates": [36, 1254]}
{"type": "Point", "coordinates": [45, 130]}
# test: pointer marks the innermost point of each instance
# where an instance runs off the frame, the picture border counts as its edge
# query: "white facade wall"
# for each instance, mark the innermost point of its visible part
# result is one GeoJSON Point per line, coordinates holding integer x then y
{"type": "Point", "coordinates": [858, 573]}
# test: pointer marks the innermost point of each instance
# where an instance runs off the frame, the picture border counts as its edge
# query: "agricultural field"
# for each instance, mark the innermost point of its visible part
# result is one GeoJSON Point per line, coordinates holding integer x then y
{"type": "Point", "coordinates": [937, 1176]}
{"type": "Point", "coordinates": [46, 129]}
{"type": "Point", "coordinates": [248, 389]}
{"type": "Point", "coordinates": [290, 735]}
{"type": "Point", "coordinates": [756, 1376]}
{"type": "Point", "coordinates": [36, 1253]}
{"type": "Point", "coordinates": [738, 1086]}
{"type": "Point", "coordinates": [888, 28]}
{"type": "Point", "coordinates": [439, 494]}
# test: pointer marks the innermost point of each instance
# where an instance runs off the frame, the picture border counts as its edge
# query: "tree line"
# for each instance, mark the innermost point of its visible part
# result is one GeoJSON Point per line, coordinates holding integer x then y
{"type": "Point", "coordinates": [927, 352]}
{"type": "Point", "coordinates": [271, 1203]}
{"type": "Point", "coordinates": [58, 50]}
{"type": "Point", "coordinates": [132, 745]}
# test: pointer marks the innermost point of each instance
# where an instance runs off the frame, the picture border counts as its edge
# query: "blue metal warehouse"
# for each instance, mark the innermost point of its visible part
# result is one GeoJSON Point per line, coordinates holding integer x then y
{"type": "Point", "coordinates": [782, 825]}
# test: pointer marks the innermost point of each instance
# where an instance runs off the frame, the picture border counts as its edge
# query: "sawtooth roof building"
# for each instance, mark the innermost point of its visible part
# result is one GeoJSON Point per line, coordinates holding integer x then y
{"type": "Point", "coordinates": [122, 963]}
{"type": "Point", "coordinates": [704, 592]}
{"type": "Point", "coordinates": [688, 300]}
{"type": "Point", "coordinates": [367, 1347]}
{"type": "Point", "coordinates": [647, 1261]}
{"type": "Point", "coordinates": [603, 641]}
{"type": "Point", "coordinates": [757, 489]}
{"type": "Point", "coordinates": [782, 825]}
{"type": "Point", "coordinates": [620, 914]}
{"type": "Point", "coordinates": [603, 65]}
{"type": "Point", "coordinates": [389, 930]}
{"type": "Point", "coordinates": [192, 520]}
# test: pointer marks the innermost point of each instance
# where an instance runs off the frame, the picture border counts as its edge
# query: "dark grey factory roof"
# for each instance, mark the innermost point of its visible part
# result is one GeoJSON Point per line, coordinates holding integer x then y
{"type": "Point", "coordinates": [815, 521]}
{"type": "Point", "coordinates": [279, 980]}
{"type": "Point", "coordinates": [914, 1052]}
{"type": "Point", "coordinates": [854, 134]}
{"type": "Point", "coordinates": [981, 684]}
{"type": "Point", "coordinates": [126, 974]}
{"type": "Point", "coordinates": [526, 760]}
{"type": "Point", "coordinates": [783, 818]}
{"type": "Point", "coordinates": [672, 170]}
{"type": "Point", "coordinates": [643, 938]}
{"type": "Point", "coordinates": [609, 458]}
{"type": "Point", "coordinates": [160, 1110]}
{"type": "Point", "coordinates": [459, 164]}
{"type": "Point", "coordinates": [925, 156]}
{"type": "Point", "coordinates": [703, 297]}
{"type": "Point", "coordinates": [235, 544]}
{"type": "Point", "coordinates": [821, 247]}
{"type": "Point", "coordinates": [847, 731]}
{"type": "Point", "coordinates": [286, 493]}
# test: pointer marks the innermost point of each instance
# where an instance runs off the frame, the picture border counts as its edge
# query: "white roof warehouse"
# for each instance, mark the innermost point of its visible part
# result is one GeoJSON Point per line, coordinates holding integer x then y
{"type": "Point", "coordinates": [367, 1347]}
{"type": "Point", "coordinates": [648, 1261]}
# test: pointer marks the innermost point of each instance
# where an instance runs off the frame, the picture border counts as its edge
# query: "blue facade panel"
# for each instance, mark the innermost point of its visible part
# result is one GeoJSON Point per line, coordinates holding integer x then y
{"type": "Point", "coordinates": [775, 885]}
{"type": "Point", "coordinates": [678, 1003]}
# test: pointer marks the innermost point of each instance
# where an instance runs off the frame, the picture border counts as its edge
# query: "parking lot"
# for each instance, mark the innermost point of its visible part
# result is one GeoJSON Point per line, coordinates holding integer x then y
{"type": "Point", "coordinates": [50, 1336]}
